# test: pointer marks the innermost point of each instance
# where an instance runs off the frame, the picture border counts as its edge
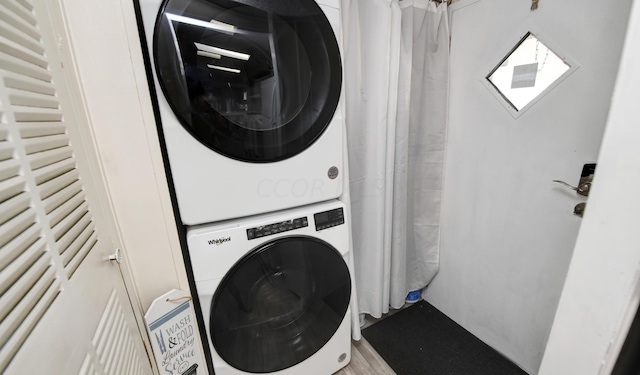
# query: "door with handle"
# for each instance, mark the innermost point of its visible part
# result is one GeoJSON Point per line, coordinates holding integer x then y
{"type": "Point", "coordinates": [508, 231]}
{"type": "Point", "coordinates": [64, 308]}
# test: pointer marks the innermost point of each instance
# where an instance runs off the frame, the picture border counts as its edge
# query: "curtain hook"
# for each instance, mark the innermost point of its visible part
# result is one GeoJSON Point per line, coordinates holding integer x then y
{"type": "Point", "coordinates": [534, 4]}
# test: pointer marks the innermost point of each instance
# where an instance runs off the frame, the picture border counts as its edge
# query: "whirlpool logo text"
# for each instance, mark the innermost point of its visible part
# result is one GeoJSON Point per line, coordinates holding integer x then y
{"type": "Point", "coordinates": [219, 241]}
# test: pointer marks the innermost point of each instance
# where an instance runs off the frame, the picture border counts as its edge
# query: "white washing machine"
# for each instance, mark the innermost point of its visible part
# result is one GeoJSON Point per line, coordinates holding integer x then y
{"type": "Point", "coordinates": [275, 291]}
{"type": "Point", "coordinates": [249, 94]}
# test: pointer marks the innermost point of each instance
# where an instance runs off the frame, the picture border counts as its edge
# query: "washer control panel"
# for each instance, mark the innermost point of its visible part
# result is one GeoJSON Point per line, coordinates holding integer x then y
{"type": "Point", "coordinates": [328, 219]}
{"type": "Point", "coordinates": [274, 228]}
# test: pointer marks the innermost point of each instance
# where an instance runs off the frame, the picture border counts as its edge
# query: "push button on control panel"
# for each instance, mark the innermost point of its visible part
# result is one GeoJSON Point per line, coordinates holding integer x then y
{"type": "Point", "coordinates": [275, 228]}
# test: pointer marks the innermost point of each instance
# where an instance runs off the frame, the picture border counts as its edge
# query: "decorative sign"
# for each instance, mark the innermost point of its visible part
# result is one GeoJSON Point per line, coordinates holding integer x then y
{"type": "Point", "coordinates": [174, 334]}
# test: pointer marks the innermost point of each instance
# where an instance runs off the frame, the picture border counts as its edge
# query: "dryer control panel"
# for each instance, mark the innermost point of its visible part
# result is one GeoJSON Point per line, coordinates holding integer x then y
{"type": "Point", "coordinates": [273, 228]}
{"type": "Point", "coordinates": [328, 219]}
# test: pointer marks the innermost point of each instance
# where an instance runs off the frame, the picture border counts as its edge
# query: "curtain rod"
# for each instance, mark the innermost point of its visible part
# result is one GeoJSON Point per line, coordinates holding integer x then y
{"type": "Point", "coordinates": [441, 1]}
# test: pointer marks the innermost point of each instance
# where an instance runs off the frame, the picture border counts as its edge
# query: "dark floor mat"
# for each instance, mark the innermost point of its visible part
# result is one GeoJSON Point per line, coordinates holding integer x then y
{"type": "Point", "coordinates": [420, 340]}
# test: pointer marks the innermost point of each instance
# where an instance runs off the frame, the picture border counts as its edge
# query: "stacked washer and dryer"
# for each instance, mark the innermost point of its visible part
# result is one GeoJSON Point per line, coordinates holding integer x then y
{"type": "Point", "coordinates": [250, 96]}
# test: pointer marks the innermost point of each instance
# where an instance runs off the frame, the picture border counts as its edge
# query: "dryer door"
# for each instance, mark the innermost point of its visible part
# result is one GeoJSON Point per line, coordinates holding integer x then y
{"type": "Point", "coordinates": [280, 304]}
{"type": "Point", "coordinates": [257, 81]}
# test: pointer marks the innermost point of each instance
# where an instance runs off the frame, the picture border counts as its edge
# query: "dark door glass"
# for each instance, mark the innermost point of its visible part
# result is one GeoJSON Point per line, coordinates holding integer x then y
{"type": "Point", "coordinates": [255, 80]}
{"type": "Point", "coordinates": [280, 304]}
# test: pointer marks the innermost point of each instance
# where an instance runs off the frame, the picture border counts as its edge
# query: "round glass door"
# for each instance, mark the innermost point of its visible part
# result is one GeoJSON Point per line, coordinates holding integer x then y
{"type": "Point", "coordinates": [280, 304]}
{"type": "Point", "coordinates": [257, 81]}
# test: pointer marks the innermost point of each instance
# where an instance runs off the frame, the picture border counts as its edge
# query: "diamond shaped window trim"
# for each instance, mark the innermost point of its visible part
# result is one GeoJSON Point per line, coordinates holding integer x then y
{"type": "Point", "coordinates": [529, 71]}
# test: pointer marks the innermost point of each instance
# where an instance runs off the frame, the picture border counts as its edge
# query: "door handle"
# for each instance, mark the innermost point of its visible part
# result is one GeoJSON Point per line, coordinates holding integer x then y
{"type": "Point", "coordinates": [584, 184]}
{"type": "Point", "coordinates": [116, 257]}
{"type": "Point", "coordinates": [582, 189]}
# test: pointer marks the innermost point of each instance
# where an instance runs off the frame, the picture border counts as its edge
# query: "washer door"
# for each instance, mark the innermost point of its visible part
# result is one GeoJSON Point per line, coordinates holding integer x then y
{"type": "Point", "coordinates": [257, 81]}
{"type": "Point", "coordinates": [280, 304]}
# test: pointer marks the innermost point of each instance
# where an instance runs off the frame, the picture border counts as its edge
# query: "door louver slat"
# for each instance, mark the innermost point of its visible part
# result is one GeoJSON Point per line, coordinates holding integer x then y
{"type": "Point", "coordinates": [49, 172]}
{"type": "Point", "coordinates": [58, 183]}
{"type": "Point", "coordinates": [15, 65]}
{"type": "Point", "coordinates": [15, 226]}
{"type": "Point", "coordinates": [29, 114]}
{"type": "Point", "coordinates": [14, 206]}
{"type": "Point", "coordinates": [21, 9]}
{"type": "Point", "coordinates": [87, 367]}
{"type": "Point", "coordinates": [14, 49]}
{"type": "Point", "coordinates": [26, 4]}
{"type": "Point", "coordinates": [11, 187]}
{"type": "Point", "coordinates": [40, 129]}
{"type": "Point", "coordinates": [8, 169]}
{"type": "Point", "coordinates": [19, 36]}
{"type": "Point", "coordinates": [106, 323]}
{"type": "Point", "coordinates": [18, 245]}
{"type": "Point", "coordinates": [46, 158]}
{"type": "Point", "coordinates": [17, 22]}
{"type": "Point", "coordinates": [18, 318]}
{"type": "Point", "coordinates": [133, 366]}
{"type": "Point", "coordinates": [112, 339]}
{"type": "Point", "coordinates": [126, 352]}
{"type": "Point", "coordinates": [28, 321]}
{"type": "Point", "coordinates": [32, 99]}
{"type": "Point", "coordinates": [15, 295]}
{"type": "Point", "coordinates": [6, 152]}
{"type": "Point", "coordinates": [18, 267]}
{"type": "Point", "coordinates": [58, 206]}
{"type": "Point", "coordinates": [115, 342]}
{"type": "Point", "coordinates": [29, 84]}
{"type": "Point", "coordinates": [78, 240]}
{"type": "Point", "coordinates": [86, 248]}
{"type": "Point", "coordinates": [123, 352]}
{"type": "Point", "coordinates": [48, 143]}
{"type": "Point", "coordinates": [74, 219]}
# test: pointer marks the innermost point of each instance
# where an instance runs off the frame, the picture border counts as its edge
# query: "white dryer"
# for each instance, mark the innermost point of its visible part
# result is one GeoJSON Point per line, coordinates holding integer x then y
{"type": "Point", "coordinates": [275, 291]}
{"type": "Point", "coordinates": [249, 95]}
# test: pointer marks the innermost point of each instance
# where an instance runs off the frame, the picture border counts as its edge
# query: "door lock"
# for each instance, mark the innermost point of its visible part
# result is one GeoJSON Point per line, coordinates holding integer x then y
{"type": "Point", "coordinates": [586, 177]}
{"type": "Point", "coordinates": [582, 188]}
{"type": "Point", "coordinates": [578, 210]}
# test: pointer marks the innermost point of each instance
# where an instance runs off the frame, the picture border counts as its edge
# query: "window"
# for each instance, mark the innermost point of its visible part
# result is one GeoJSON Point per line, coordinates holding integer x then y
{"type": "Point", "coordinates": [527, 71]}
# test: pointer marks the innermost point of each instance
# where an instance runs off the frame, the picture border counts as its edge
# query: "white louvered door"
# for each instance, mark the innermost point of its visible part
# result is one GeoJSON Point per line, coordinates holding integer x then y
{"type": "Point", "coordinates": [64, 308]}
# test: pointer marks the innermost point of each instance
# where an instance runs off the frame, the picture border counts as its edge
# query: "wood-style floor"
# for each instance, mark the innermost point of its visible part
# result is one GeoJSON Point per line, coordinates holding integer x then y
{"type": "Point", "coordinates": [364, 358]}
{"type": "Point", "coordinates": [365, 361]}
